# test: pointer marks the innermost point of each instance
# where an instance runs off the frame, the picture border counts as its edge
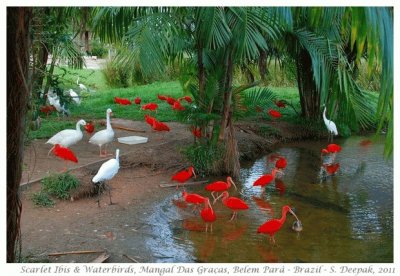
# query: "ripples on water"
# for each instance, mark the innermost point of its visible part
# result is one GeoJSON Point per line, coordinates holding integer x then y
{"type": "Point", "coordinates": [346, 218]}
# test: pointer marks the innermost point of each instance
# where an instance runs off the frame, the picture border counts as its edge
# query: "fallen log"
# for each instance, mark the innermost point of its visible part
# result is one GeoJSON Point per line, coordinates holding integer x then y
{"type": "Point", "coordinates": [130, 258]}
{"type": "Point", "coordinates": [167, 185]}
{"type": "Point", "coordinates": [76, 252]}
{"type": "Point", "coordinates": [101, 259]}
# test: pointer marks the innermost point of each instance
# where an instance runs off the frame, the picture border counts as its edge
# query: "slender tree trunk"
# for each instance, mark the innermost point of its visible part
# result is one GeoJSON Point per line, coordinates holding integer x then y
{"type": "Point", "coordinates": [308, 92]}
{"type": "Point", "coordinates": [201, 73]}
{"type": "Point", "coordinates": [262, 66]}
{"type": "Point", "coordinates": [18, 21]}
{"type": "Point", "coordinates": [227, 96]}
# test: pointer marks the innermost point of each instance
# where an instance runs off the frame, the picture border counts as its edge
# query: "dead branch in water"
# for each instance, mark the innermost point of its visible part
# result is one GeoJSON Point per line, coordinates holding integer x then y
{"type": "Point", "coordinates": [76, 252]}
{"type": "Point", "coordinates": [179, 184]}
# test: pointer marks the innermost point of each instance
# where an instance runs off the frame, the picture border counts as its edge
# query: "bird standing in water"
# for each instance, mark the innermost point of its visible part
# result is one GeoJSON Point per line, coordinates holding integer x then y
{"type": "Point", "coordinates": [208, 214]}
{"type": "Point", "coordinates": [219, 186]}
{"type": "Point", "coordinates": [330, 125]}
{"type": "Point", "coordinates": [233, 203]}
{"type": "Point", "coordinates": [106, 172]}
{"type": "Point", "coordinates": [272, 226]}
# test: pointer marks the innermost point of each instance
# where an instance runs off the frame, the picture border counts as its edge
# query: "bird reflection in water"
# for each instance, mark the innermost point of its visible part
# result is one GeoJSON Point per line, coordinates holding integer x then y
{"type": "Point", "coordinates": [263, 205]}
{"type": "Point", "coordinates": [280, 186]}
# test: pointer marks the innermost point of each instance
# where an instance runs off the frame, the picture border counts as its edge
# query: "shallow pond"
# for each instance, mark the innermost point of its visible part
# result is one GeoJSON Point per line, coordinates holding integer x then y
{"type": "Point", "coordinates": [346, 218]}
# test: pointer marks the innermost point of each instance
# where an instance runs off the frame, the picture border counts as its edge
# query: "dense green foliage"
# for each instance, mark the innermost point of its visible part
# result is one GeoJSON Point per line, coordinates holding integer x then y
{"type": "Point", "coordinates": [60, 185]}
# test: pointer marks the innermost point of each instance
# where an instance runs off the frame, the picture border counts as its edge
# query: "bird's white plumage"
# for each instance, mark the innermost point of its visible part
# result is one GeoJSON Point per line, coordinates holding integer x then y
{"type": "Point", "coordinates": [68, 137]}
{"type": "Point", "coordinates": [104, 136]}
{"type": "Point", "coordinates": [81, 86]}
{"type": "Point", "coordinates": [330, 125]}
{"type": "Point", "coordinates": [54, 100]}
{"type": "Point", "coordinates": [75, 97]}
{"type": "Point", "coordinates": [108, 169]}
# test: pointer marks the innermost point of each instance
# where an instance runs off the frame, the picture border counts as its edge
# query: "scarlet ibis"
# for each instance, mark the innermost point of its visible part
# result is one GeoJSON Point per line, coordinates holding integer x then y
{"type": "Point", "coordinates": [280, 103]}
{"type": "Point", "coordinates": [196, 132]}
{"type": "Point", "coordinates": [281, 163]}
{"type": "Point", "coordinates": [265, 179]}
{"type": "Point", "coordinates": [160, 126]}
{"type": "Point", "coordinates": [138, 100]}
{"type": "Point", "coordinates": [47, 109]}
{"type": "Point", "coordinates": [233, 203]}
{"type": "Point", "coordinates": [150, 106]}
{"type": "Point", "coordinates": [122, 101]}
{"type": "Point", "coordinates": [186, 98]}
{"type": "Point", "coordinates": [272, 226]}
{"type": "Point", "coordinates": [177, 106]}
{"type": "Point", "coordinates": [274, 114]}
{"type": "Point", "coordinates": [170, 101]}
{"type": "Point", "coordinates": [161, 97]}
{"type": "Point", "coordinates": [333, 148]}
{"type": "Point", "coordinates": [105, 136]}
{"type": "Point", "coordinates": [67, 137]}
{"type": "Point", "coordinates": [183, 176]}
{"type": "Point", "coordinates": [330, 125]}
{"type": "Point", "coordinates": [208, 214]}
{"type": "Point", "coordinates": [64, 153]}
{"type": "Point", "coordinates": [106, 172]}
{"type": "Point", "coordinates": [193, 198]}
{"type": "Point", "coordinates": [219, 186]}
{"type": "Point", "coordinates": [89, 127]}
{"type": "Point", "coordinates": [149, 119]}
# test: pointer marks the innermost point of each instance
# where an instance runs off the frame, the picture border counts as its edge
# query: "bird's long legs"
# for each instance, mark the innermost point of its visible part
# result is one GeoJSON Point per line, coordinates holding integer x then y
{"type": "Point", "coordinates": [105, 185]}
{"type": "Point", "coordinates": [233, 215]}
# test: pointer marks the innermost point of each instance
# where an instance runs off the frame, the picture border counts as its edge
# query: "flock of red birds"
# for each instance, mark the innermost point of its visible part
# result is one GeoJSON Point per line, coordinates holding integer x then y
{"type": "Point", "coordinates": [328, 156]}
{"type": "Point", "coordinates": [219, 190]}
{"type": "Point", "coordinates": [274, 114]}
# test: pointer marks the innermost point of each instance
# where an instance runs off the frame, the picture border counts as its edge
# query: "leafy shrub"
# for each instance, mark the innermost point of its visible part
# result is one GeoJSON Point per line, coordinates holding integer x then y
{"type": "Point", "coordinates": [60, 185]}
{"type": "Point", "coordinates": [116, 75]}
{"type": "Point", "coordinates": [204, 158]}
{"type": "Point", "coordinates": [98, 49]}
{"type": "Point", "coordinates": [42, 199]}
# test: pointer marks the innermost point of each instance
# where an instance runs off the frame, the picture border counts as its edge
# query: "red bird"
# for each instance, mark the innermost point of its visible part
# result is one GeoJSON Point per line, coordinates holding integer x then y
{"type": "Point", "coordinates": [122, 101]}
{"type": "Point", "coordinates": [333, 148]}
{"type": "Point", "coordinates": [274, 114]}
{"type": "Point", "coordinates": [177, 106]}
{"type": "Point", "coordinates": [280, 103]}
{"type": "Point", "coordinates": [183, 176]}
{"type": "Point", "coordinates": [196, 132]}
{"type": "Point", "coordinates": [160, 126]}
{"type": "Point", "coordinates": [149, 119]}
{"type": "Point", "coordinates": [265, 179]}
{"type": "Point", "coordinates": [281, 163]}
{"type": "Point", "coordinates": [170, 101]}
{"type": "Point", "coordinates": [272, 226]}
{"type": "Point", "coordinates": [233, 203]}
{"type": "Point", "coordinates": [138, 100]}
{"type": "Point", "coordinates": [150, 106]}
{"type": "Point", "coordinates": [194, 199]}
{"type": "Point", "coordinates": [64, 153]}
{"type": "Point", "coordinates": [207, 213]}
{"type": "Point", "coordinates": [186, 98]}
{"type": "Point", "coordinates": [161, 97]}
{"type": "Point", "coordinates": [331, 169]}
{"type": "Point", "coordinates": [220, 186]}
{"type": "Point", "coordinates": [89, 127]}
{"type": "Point", "coordinates": [47, 109]}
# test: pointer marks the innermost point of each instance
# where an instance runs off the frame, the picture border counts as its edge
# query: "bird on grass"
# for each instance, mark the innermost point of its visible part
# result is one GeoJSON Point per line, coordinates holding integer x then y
{"type": "Point", "coordinates": [67, 137]}
{"type": "Point", "coordinates": [105, 136]}
{"type": "Point", "coordinates": [272, 226]}
{"type": "Point", "coordinates": [81, 86]}
{"type": "Point", "coordinates": [233, 203]}
{"type": "Point", "coordinates": [64, 153]}
{"type": "Point", "coordinates": [106, 172]}
{"type": "Point", "coordinates": [330, 125]}
{"type": "Point", "coordinates": [208, 214]}
{"type": "Point", "coordinates": [183, 176]}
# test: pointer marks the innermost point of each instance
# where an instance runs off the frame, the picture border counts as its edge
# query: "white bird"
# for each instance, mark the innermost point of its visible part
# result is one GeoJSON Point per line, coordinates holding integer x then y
{"type": "Point", "coordinates": [81, 86]}
{"type": "Point", "coordinates": [67, 137]}
{"type": "Point", "coordinates": [105, 136]}
{"type": "Point", "coordinates": [330, 125]}
{"type": "Point", "coordinates": [75, 97]}
{"type": "Point", "coordinates": [107, 171]}
{"type": "Point", "coordinates": [54, 100]}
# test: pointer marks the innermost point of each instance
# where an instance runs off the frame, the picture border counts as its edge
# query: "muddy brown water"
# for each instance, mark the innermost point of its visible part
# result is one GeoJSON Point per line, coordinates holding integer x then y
{"type": "Point", "coordinates": [342, 215]}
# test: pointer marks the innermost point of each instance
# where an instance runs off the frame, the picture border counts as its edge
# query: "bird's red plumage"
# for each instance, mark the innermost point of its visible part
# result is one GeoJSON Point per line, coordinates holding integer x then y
{"type": "Point", "coordinates": [138, 100]}
{"type": "Point", "coordinates": [150, 106]}
{"type": "Point", "coordinates": [333, 148]}
{"type": "Point", "coordinates": [217, 186]}
{"type": "Point", "coordinates": [183, 175]}
{"type": "Point", "coordinates": [89, 127]}
{"type": "Point", "coordinates": [149, 119]}
{"type": "Point", "coordinates": [186, 98]}
{"type": "Point", "coordinates": [235, 203]}
{"type": "Point", "coordinates": [208, 214]}
{"type": "Point", "coordinates": [160, 126]}
{"type": "Point", "coordinates": [64, 153]}
{"type": "Point", "coordinates": [161, 97]}
{"type": "Point", "coordinates": [177, 106]}
{"type": "Point", "coordinates": [270, 227]}
{"type": "Point", "coordinates": [280, 103]}
{"type": "Point", "coordinates": [193, 198]}
{"type": "Point", "coordinates": [332, 169]}
{"type": "Point", "coordinates": [281, 163]}
{"type": "Point", "coordinates": [170, 101]}
{"type": "Point", "coordinates": [122, 101]}
{"type": "Point", "coordinates": [196, 132]}
{"type": "Point", "coordinates": [263, 180]}
{"type": "Point", "coordinates": [274, 114]}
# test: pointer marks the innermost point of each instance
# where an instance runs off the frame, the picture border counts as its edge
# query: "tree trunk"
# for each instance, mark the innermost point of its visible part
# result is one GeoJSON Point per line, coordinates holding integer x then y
{"type": "Point", "coordinates": [228, 77]}
{"type": "Point", "coordinates": [201, 74]}
{"type": "Point", "coordinates": [262, 66]}
{"type": "Point", "coordinates": [308, 92]}
{"type": "Point", "coordinates": [18, 21]}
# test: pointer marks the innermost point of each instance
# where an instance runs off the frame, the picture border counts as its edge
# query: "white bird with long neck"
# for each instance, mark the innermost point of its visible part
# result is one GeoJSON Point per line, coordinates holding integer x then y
{"type": "Point", "coordinates": [67, 137]}
{"type": "Point", "coordinates": [81, 86]}
{"type": "Point", "coordinates": [74, 96]}
{"type": "Point", "coordinates": [105, 136]}
{"type": "Point", "coordinates": [330, 125]}
{"type": "Point", "coordinates": [106, 172]}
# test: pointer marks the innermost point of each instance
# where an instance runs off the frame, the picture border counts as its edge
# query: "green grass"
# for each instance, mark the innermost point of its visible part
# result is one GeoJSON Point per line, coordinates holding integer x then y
{"type": "Point", "coordinates": [42, 199]}
{"type": "Point", "coordinates": [60, 185]}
